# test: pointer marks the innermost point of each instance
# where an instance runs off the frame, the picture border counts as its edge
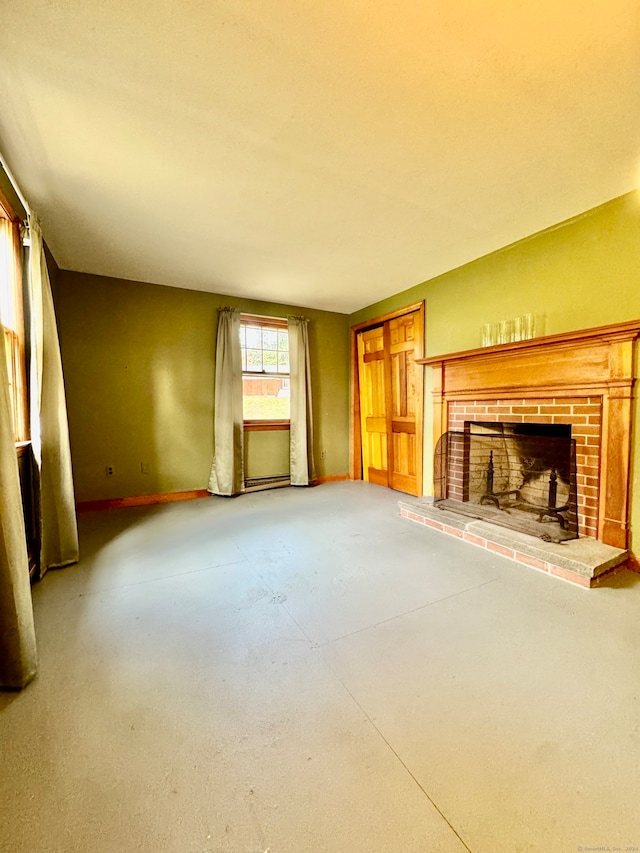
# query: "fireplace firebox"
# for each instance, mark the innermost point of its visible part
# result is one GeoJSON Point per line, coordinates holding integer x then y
{"type": "Point", "coordinates": [520, 476]}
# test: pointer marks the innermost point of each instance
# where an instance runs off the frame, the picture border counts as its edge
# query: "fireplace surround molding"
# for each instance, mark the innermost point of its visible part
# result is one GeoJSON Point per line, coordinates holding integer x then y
{"type": "Point", "coordinates": [596, 366]}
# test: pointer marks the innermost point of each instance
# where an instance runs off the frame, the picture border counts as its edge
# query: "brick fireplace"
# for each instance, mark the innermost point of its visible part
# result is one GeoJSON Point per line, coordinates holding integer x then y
{"type": "Point", "coordinates": [583, 379]}
{"type": "Point", "coordinates": [582, 414]}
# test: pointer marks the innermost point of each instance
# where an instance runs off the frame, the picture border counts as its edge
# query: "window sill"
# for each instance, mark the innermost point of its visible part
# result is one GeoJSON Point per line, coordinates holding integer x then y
{"type": "Point", "coordinates": [259, 426]}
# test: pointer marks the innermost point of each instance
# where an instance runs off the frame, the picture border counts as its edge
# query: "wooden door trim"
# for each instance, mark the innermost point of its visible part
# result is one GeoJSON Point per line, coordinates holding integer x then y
{"type": "Point", "coordinates": [388, 402]}
{"type": "Point", "coordinates": [383, 318]}
{"type": "Point", "coordinates": [355, 434]}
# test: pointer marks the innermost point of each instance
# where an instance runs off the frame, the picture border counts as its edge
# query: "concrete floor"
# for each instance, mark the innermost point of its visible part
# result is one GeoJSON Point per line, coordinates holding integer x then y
{"type": "Point", "coordinates": [302, 670]}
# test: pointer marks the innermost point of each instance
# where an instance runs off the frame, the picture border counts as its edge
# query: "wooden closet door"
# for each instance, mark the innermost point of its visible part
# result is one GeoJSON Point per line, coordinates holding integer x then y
{"type": "Point", "coordinates": [405, 426]}
{"type": "Point", "coordinates": [372, 370]}
{"type": "Point", "coordinates": [391, 403]}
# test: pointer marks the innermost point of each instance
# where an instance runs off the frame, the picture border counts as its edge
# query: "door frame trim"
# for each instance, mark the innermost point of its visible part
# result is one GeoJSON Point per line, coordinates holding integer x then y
{"type": "Point", "coordinates": [355, 433]}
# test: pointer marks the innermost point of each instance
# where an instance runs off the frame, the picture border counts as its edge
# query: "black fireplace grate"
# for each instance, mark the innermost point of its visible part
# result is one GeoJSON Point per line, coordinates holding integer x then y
{"type": "Point", "coordinates": [514, 478]}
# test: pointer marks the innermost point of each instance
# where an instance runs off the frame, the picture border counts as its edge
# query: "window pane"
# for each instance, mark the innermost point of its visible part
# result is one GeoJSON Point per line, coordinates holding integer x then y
{"type": "Point", "coordinates": [12, 352]}
{"type": "Point", "coordinates": [265, 398]}
{"type": "Point", "coordinates": [265, 350]}
{"type": "Point", "coordinates": [11, 348]}
{"type": "Point", "coordinates": [270, 361]}
{"type": "Point", "coordinates": [269, 339]}
{"type": "Point", "coordinates": [7, 282]}
{"type": "Point", "coordinates": [254, 359]}
{"type": "Point", "coordinates": [254, 337]}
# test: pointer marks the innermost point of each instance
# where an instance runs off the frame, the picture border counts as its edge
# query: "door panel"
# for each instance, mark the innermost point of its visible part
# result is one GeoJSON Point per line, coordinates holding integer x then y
{"type": "Point", "coordinates": [406, 336]}
{"type": "Point", "coordinates": [373, 413]}
{"type": "Point", "coordinates": [391, 402]}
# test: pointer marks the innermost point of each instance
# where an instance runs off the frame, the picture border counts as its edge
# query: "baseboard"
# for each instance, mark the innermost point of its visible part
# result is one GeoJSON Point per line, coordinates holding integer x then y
{"type": "Point", "coordinates": [170, 497]}
{"type": "Point", "coordinates": [633, 563]}
{"type": "Point", "coordinates": [140, 500]}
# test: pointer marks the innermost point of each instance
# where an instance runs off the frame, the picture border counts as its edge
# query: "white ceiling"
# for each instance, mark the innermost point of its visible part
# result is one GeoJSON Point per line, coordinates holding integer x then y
{"type": "Point", "coordinates": [324, 154]}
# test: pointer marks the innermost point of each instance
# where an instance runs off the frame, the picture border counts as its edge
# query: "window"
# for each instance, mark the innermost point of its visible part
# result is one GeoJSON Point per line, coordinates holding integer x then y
{"type": "Point", "coordinates": [11, 316]}
{"type": "Point", "coordinates": [264, 342]}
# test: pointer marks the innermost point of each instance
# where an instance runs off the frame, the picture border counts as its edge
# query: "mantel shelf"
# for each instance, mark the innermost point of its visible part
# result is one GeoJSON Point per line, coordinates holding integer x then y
{"type": "Point", "coordinates": [614, 332]}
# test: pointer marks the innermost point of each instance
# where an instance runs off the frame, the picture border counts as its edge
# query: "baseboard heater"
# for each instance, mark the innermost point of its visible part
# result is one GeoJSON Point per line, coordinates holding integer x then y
{"type": "Point", "coordinates": [257, 484]}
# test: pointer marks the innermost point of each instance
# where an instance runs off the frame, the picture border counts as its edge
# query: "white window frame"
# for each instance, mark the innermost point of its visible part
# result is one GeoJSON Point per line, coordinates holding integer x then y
{"type": "Point", "coordinates": [279, 324]}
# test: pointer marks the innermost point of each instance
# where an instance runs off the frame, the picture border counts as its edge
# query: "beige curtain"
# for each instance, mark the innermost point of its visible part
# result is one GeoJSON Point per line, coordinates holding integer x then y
{"type": "Point", "coordinates": [48, 419]}
{"type": "Point", "coordinates": [301, 431]}
{"type": "Point", "coordinates": [18, 661]}
{"type": "Point", "coordinates": [227, 470]}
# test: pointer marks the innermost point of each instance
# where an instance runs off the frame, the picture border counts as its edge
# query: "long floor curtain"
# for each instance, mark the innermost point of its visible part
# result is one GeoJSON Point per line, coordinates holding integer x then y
{"type": "Point", "coordinates": [48, 419]}
{"type": "Point", "coordinates": [227, 470]}
{"type": "Point", "coordinates": [18, 662]}
{"type": "Point", "coordinates": [302, 463]}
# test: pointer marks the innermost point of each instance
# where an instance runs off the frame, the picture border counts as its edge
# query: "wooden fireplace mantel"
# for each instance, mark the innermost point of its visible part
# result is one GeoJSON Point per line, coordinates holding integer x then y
{"type": "Point", "coordinates": [597, 362]}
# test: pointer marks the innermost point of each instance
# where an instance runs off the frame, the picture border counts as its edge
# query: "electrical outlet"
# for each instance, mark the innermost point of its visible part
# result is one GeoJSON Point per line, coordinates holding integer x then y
{"type": "Point", "coordinates": [323, 454]}
{"type": "Point", "coordinates": [145, 467]}
{"type": "Point", "coordinates": [109, 471]}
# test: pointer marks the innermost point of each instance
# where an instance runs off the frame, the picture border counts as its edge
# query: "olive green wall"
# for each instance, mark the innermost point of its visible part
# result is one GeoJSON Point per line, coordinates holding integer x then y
{"type": "Point", "coordinates": [266, 453]}
{"type": "Point", "coordinates": [577, 275]}
{"type": "Point", "coordinates": [138, 363]}
{"type": "Point", "coordinates": [582, 273]}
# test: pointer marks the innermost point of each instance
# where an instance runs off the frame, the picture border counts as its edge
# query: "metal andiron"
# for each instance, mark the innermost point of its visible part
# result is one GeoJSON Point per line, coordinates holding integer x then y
{"type": "Point", "coordinates": [494, 497]}
{"type": "Point", "coordinates": [509, 476]}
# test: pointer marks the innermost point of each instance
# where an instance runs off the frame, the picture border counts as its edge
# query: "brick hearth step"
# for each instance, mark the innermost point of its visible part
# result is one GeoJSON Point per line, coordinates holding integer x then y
{"type": "Point", "coordinates": [581, 561]}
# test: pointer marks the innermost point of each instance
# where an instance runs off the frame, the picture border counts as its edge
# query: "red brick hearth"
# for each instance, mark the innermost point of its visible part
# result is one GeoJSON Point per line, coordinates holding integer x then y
{"type": "Point", "coordinates": [586, 563]}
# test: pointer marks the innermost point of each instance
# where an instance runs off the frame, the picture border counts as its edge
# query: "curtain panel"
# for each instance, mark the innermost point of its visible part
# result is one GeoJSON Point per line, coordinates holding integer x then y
{"type": "Point", "coordinates": [18, 660]}
{"type": "Point", "coordinates": [227, 470]}
{"type": "Point", "coordinates": [48, 418]}
{"type": "Point", "coordinates": [302, 463]}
